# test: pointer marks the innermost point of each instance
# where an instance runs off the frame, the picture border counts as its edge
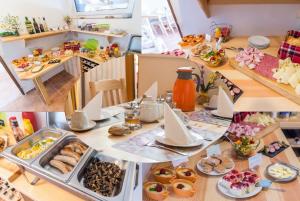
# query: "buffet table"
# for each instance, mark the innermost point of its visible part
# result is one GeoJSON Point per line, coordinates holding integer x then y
{"type": "Point", "coordinates": [36, 77]}
{"type": "Point", "coordinates": [207, 185]}
{"type": "Point", "coordinates": [256, 96]}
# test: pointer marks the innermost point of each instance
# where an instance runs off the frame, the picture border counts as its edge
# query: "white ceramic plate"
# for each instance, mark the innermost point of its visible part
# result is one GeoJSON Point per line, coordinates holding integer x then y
{"type": "Point", "coordinates": [277, 179]}
{"type": "Point", "coordinates": [226, 192]}
{"type": "Point", "coordinates": [91, 125]}
{"type": "Point", "coordinates": [215, 113]}
{"type": "Point", "coordinates": [37, 69]}
{"type": "Point", "coordinates": [198, 140]}
{"type": "Point", "coordinates": [259, 41]}
{"type": "Point", "coordinates": [206, 106]}
{"type": "Point", "coordinates": [213, 173]}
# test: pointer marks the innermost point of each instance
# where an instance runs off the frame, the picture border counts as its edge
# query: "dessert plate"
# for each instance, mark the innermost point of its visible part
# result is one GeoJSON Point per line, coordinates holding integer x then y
{"type": "Point", "coordinates": [197, 141]}
{"type": "Point", "coordinates": [226, 192]}
{"type": "Point", "coordinates": [213, 173]}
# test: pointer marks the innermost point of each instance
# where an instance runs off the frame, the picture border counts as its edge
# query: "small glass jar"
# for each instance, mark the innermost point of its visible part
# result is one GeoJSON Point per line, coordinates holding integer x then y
{"type": "Point", "coordinates": [132, 116]}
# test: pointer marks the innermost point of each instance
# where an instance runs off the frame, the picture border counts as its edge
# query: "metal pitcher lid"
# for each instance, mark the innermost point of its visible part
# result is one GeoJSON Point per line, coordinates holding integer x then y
{"type": "Point", "coordinates": [185, 69]}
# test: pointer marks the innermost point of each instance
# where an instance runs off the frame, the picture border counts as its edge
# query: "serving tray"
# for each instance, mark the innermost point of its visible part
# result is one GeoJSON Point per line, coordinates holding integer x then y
{"type": "Point", "coordinates": [283, 89]}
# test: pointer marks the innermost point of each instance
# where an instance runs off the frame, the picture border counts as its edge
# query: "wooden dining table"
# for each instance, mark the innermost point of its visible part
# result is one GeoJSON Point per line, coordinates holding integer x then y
{"type": "Point", "coordinates": [206, 186]}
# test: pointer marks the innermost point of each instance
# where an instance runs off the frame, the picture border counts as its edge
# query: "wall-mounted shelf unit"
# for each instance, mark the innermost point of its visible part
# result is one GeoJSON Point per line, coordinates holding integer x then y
{"type": "Point", "coordinates": [99, 33]}
{"type": "Point", "coordinates": [32, 36]}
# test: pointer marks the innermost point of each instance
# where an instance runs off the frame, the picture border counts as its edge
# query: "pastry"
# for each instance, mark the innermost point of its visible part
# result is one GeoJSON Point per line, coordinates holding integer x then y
{"type": "Point", "coordinates": [186, 173]}
{"type": "Point", "coordinates": [155, 190]}
{"type": "Point", "coordinates": [219, 164]}
{"type": "Point", "coordinates": [183, 188]}
{"type": "Point", "coordinates": [164, 175]}
{"type": "Point", "coordinates": [239, 183]}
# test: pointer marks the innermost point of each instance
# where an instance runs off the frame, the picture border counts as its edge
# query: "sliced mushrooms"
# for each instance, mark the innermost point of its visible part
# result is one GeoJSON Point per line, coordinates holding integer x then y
{"type": "Point", "coordinates": [102, 177]}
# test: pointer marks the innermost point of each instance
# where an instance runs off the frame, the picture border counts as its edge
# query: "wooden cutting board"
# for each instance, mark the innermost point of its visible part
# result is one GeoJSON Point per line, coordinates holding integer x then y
{"type": "Point", "coordinates": [283, 89]}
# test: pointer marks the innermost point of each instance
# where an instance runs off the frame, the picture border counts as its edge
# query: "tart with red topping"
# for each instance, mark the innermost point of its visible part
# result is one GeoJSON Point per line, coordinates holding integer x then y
{"type": "Point", "coordinates": [164, 175]}
{"type": "Point", "coordinates": [155, 190]}
{"type": "Point", "coordinates": [186, 173]}
{"type": "Point", "coordinates": [183, 187]}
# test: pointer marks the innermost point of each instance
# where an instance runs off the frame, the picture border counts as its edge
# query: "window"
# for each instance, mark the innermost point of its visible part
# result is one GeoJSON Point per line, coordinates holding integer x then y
{"type": "Point", "coordinates": [105, 8]}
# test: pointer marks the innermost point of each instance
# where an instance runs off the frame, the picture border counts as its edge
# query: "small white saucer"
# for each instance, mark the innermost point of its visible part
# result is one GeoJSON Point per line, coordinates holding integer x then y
{"type": "Point", "coordinates": [91, 125]}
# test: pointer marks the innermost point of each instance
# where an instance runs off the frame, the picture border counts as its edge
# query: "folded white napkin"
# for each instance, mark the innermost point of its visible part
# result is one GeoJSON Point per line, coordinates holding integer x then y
{"type": "Point", "coordinates": [152, 91]}
{"type": "Point", "coordinates": [225, 105]}
{"type": "Point", "coordinates": [175, 130]}
{"type": "Point", "coordinates": [93, 107]}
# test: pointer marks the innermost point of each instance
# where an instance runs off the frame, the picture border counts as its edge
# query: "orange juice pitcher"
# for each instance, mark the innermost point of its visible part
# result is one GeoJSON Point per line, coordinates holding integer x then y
{"type": "Point", "coordinates": [184, 90]}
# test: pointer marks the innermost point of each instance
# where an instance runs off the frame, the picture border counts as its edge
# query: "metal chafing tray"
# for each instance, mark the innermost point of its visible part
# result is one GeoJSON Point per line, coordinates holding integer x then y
{"type": "Point", "coordinates": [120, 192]}
{"type": "Point", "coordinates": [11, 152]}
{"type": "Point", "coordinates": [42, 162]}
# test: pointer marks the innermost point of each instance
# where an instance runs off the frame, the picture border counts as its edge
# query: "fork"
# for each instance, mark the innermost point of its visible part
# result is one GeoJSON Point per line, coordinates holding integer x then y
{"type": "Point", "coordinates": [151, 144]}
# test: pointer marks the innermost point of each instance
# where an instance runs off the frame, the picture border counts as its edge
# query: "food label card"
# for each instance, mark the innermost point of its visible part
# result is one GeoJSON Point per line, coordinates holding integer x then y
{"type": "Point", "coordinates": [255, 161]}
{"type": "Point", "coordinates": [208, 37]}
{"type": "Point", "coordinates": [180, 161]}
{"type": "Point", "coordinates": [213, 150]}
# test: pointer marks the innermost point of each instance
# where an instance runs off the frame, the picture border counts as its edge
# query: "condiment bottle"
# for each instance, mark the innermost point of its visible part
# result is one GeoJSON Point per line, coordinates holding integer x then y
{"type": "Point", "coordinates": [17, 132]}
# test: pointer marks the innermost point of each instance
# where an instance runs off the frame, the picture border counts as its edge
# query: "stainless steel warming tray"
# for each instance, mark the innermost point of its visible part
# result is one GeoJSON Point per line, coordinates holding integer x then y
{"type": "Point", "coordinates": [26, 143]}
{"type": "Point", "coordinates": [119, 192]}
{"type": "Point", "coordinates": [42, 162]}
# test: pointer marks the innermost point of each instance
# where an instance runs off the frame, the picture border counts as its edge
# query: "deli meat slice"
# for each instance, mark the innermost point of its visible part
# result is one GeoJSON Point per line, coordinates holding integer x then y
{"type": "Point", "coordinates": [266, 65]}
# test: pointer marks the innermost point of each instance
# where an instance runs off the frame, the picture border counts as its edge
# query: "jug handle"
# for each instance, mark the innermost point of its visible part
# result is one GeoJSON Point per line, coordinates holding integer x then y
{"type": "Point", "coordinates": [198, 82]}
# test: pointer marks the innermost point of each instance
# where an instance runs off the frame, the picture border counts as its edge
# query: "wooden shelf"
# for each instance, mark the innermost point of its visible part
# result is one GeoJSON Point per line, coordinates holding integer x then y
{"type": "Point", "coordinates": [32, 36]}
{"type": "Point", "coordinates": [100, 33]}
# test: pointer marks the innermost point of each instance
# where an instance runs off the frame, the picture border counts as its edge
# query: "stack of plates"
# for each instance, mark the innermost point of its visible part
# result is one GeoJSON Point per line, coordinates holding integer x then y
{"type": "Point", "coordinates": [259, 42]}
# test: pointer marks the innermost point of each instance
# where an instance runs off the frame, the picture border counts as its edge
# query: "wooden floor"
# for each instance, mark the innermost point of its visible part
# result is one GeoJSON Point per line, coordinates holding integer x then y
{"type": "Point", "coordinates": [57, 87]}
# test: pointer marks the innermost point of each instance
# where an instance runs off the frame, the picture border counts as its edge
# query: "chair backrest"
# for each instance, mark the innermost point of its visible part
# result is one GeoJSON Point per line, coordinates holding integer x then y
{"type": "Point", "coordinates": [135, 44]}
{"type": "Point", "coordinates": [114, 91]}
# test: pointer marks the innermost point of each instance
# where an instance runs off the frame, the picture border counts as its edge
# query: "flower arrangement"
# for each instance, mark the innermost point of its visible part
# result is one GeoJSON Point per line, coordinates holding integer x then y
{"type": "Point", "coordinates": [204, 87]}
{"type": "Point", "coordinates": [245, 146]}
{"type": "Point", "coordinates": [11, 24]}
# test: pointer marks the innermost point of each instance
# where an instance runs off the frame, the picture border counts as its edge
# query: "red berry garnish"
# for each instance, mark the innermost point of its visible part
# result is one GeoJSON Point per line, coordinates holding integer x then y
{"type": "Point", "coordinates": [158, 188]}
{"type": "Point", "coordinates": [162, 171]}
{"type": "Point", "coordinates": [188, 173]}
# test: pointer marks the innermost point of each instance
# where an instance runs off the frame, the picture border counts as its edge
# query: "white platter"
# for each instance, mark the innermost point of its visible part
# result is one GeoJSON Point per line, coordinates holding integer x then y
{"type": "Point", "coordinates": [226, 192]}
{"type": "Point", "coordinates": [214, 173]}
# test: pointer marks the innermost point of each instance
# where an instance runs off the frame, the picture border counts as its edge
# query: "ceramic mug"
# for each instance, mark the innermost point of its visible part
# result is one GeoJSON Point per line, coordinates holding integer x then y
{"type": "Point", "coordinates": [79, 120]}
{"type": "Point", "coordinates": [150, 111]}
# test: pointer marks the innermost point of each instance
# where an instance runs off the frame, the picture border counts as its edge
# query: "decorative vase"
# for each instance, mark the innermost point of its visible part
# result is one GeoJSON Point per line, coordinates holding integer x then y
{"type": "Point", "coordinates": [202, 98]}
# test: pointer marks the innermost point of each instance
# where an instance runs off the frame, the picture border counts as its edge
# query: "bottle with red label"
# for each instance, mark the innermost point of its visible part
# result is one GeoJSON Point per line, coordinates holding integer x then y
{"type": "Point", "coordinates": [17, 131]}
